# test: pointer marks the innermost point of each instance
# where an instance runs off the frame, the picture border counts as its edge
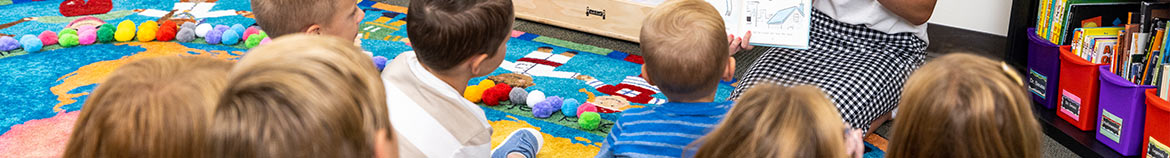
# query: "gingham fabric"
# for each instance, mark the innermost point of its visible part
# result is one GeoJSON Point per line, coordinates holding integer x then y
{"type": "Point", "coordinates": [862, 70]}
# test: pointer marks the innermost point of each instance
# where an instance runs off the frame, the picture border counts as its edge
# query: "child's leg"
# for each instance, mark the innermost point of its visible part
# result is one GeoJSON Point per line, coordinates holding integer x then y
{"type": "Point", "coordinates": [523, 143]}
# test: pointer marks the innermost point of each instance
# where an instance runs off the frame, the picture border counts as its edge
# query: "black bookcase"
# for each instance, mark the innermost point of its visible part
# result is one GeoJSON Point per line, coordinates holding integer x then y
{"type": "Point", "coordinates": [1083, 143]}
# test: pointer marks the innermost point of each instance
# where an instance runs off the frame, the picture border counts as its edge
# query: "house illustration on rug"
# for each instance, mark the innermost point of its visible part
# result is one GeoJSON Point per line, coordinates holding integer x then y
{"type": "Point", "coordinates": [542, 62]}
{"type": "Point", "coordinates": [633, 88]}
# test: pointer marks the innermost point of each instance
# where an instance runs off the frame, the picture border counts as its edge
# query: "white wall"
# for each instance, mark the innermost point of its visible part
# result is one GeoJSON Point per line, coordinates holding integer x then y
{"type": "Point", "coordinates": [990, 16]}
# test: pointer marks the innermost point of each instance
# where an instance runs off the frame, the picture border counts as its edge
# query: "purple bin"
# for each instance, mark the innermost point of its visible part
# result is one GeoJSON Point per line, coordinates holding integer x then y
{"type": "Point", "coordinates": [1121, 113]}
{"type": "Point", "coordinates": [1043, 69]}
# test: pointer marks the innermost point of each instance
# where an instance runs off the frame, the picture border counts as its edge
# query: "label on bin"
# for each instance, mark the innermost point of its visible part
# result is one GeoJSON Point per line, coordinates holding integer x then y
{"type": "Point", "coordinates": [1071, 105]}
{"type": "Point", "coordinates": [1110, 126]}
{"type": "Point", "coordinates": [1037, 83]}
{"type": "Point", "coordinates": [1157, 149]}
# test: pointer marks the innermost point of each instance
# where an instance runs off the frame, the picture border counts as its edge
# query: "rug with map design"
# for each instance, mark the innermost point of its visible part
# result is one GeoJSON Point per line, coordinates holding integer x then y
{"type": "Point", "coordinates": [44, 90]}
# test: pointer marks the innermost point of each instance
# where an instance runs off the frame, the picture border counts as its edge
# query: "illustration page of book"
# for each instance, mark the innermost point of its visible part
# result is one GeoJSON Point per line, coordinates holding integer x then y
{"type": "Point", "coordinates": [777, 23]}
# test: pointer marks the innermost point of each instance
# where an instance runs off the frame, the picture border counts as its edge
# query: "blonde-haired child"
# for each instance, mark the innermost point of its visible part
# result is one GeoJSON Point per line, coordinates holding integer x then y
{"type": "Point", "coordinates": [776, 121]}
{"type": "Point", "coordinates": [962, 105]}
{"type": "Point", "coordinates": [303, 96]}
{"type": "Point", "coordinates": [158, 107]}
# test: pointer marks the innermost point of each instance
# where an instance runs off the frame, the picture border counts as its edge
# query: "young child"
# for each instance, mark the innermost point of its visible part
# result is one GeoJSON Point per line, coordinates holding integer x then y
{"type": "Point", "coordinates": [678, 36]}
{"type": "Point", "coordinates": [776, 121]}
{"type": "Point", "coordinates": [303, 96]}
{"type": "Point", "coordinates": [337, 18]}
{"type": "Point", "coordinates": [158, 107]}
{"type": "Point", "coordinates": [962, 105]}
{"type": "Point", "coordinates": [454, 41]}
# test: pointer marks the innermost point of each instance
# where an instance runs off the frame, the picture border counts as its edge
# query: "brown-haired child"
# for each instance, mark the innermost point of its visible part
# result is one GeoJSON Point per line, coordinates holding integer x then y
{"type": "Point", "coordinates": [337, 18]}
{"type": "Point", "coordinates": [303, 96]}
{"type": "Point", "coordinates": [962, 105]}
{"type": "Point", "coordinates": [158, 107]}
{"type": "Point", "coordinates": [685, 51]}
{"type": "Point", "coordinates": [453, 41]}
{"type": "Point", "coordinates": [776, 121]}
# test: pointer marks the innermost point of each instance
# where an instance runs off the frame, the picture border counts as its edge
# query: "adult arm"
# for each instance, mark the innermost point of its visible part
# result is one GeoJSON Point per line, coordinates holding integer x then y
{"type": "Point", "coordinates": [915, 11]}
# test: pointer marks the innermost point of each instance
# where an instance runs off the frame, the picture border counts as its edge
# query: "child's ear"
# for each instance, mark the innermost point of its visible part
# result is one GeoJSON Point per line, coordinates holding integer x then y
{"type": "Point", "coordinates": [729, 71]}
{"type": "Point", "coordinates": [476, 62]}
{"type": "Point", "coordinates": [647, 77]}
{"type": "Point", "coordinates": [313, 30]}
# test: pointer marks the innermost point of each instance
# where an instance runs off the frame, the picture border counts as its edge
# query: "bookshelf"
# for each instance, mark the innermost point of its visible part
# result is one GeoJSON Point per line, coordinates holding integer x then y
{"type": "Point", "coordinates": [1082, 143]}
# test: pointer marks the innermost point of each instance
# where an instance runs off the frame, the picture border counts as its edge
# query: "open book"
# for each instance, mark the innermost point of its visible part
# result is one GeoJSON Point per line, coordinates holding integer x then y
{"type": "Point", "coordinates": [776, 23]}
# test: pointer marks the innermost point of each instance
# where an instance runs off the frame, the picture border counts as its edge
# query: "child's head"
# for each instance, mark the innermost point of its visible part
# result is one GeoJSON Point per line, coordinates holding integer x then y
{"type": "Point", "coordinates": [157, 107]}
{"type": "Point", "coordinates": [685, 49]}
{"type": "Point", "coordinates": [338, 18]}
{"type": "Point", "coordinates": [302, 96]}
{"type": "Point", "coordinates": [962, 105]}
{"type": "Point", "coordinates": [460, 35]}
{"type": "Point", "coordinates": [776, 121]}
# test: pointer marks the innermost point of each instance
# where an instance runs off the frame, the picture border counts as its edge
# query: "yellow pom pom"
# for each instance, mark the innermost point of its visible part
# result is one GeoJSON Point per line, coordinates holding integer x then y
{"type": "Point", "coordinates": [474, 93]}
{"type": "Point", "coordinates": [487, 83]}
{"type": "Point", "coordinates": [147, 30]}
{"type": "Point", "coordinates": [125, 31]}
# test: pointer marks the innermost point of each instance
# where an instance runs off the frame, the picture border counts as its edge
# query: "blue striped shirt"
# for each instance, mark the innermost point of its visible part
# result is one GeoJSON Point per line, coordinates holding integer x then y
{"type": "Point", "coordinates": [661, 131]}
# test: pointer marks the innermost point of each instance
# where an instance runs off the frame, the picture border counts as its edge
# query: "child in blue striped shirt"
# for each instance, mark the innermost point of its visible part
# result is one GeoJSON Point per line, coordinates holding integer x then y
{"type": "Point", "coordinates": [684, 46]}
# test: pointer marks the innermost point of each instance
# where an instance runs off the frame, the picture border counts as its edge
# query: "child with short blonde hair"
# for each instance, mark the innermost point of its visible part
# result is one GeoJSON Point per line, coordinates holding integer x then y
{"type": "Point", "coordinates": [962, 105]}
{"type": "Point", "coordinates": [158, 107]}
{"type": "Point", "coordinates": [776, 121]}
{"type": "Point", "coordinates": [685, 50]}
{"type": "Point", "coordinates": [337, 18]}
{"type": "Point", "coordinates": [303, 96]}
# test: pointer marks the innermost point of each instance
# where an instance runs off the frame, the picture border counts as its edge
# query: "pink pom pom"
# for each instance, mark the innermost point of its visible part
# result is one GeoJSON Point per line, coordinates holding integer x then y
{"type": "Point", "coordinates": [251, 31]}
{"type": "Point", "coordinates": [87, 37]}
{"type": "Point", "coordinates": [266, 40]}
{"type": "Point", "coordinates": [48, 38]}
{"type": "Point", "coordinates": [586, 107]}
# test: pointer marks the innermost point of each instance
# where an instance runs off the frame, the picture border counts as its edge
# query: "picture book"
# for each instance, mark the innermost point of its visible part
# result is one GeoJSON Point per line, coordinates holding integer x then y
{"type": "Point", "coordinates": [776, 23]}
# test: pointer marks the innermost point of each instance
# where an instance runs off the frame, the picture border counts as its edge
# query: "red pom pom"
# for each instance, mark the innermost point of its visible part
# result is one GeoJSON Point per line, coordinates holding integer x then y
{"type": "Point", "coordinates": [493, 96]}
{"type": "Point", "coordinates": [167, 31]}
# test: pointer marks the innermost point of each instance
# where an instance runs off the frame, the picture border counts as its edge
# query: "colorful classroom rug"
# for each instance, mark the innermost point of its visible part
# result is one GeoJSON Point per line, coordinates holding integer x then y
{"type": "Point", "coordinates": [44, 90]}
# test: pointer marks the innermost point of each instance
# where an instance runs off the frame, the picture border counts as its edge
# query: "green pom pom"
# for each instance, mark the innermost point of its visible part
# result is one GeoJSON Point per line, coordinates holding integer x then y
{"type": "Point", "coordinates": [67, 31]}
{"type": "Point", "coordinates": [105, 33]}
{"type": "Point", "coordinates": [589, 120]}
{"type": "Point", "coordinates": [254, 40]}
{"type": "Point", "coordinates": [68, 40]}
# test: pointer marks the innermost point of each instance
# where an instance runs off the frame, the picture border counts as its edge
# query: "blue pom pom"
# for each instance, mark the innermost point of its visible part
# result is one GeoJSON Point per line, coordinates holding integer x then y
{"type": "Point", "coordinates": [569, 107]}
{"type": "Point", "coordinates": [546, 108]}
{"type": "Point", "coordinates": [31, 43]}
{"type": "Point", "coordinates": [230, 37]}
{"type": "Point", "coordinates": [380, 62]}
{"type": "Point", "coordinates": [8, 43]}
{"type": "Point", "coordinates": [239, 29]}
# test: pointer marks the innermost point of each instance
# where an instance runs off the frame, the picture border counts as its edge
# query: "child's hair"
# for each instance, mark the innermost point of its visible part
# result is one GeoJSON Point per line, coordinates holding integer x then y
{"type": "Point", "coordinates": [301, 96]}
{"type": "Point", "coordinates": [445, 33]}
{"type": "Point", "coordinates": [777, 121]}
{"type": "Point", "coordinates": [962, 105]}
{"type": "Point", "coordinates": [158, 107]}
{"type": "Point", "coordinates": [685, 48]}
{"type": "Point", "coordinates": [282, 17]}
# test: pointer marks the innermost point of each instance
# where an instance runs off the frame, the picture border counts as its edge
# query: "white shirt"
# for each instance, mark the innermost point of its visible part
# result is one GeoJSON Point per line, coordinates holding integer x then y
{"type": "Point", "coordinates": [432, 118]}
{"type": "Point", "coordinates": [869, 13]}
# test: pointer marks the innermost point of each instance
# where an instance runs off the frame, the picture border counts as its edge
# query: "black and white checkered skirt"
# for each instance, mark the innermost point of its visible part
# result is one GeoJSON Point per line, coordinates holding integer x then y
{"type": "Point", "coordinates": [862, 70]}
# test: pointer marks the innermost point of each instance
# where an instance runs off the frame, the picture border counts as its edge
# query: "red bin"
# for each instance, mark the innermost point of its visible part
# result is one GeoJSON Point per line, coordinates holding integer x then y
{"type": "Point", "coordinates": [1156, 140]}
{"type": "Point", "coordinates": [1078, 90]}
